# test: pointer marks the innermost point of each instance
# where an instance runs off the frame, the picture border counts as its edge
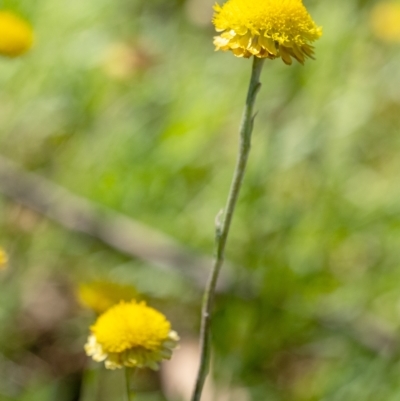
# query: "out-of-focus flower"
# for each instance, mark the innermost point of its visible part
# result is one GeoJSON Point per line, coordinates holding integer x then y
{"type": "Point", "coordinates": [16, 35]}
{"type": "Point", "coordinates": [122, 60]}
{"type": "Point", "coordinates": [266, 29]}
{"type": "Point", "coordinates": [101, 295]}
{"type": "Point", "coordinates": [385, 21]}
{"type": "Point", "coordinates": [3, 259]}
{"type": "Point", "coordinates": [131, 334]}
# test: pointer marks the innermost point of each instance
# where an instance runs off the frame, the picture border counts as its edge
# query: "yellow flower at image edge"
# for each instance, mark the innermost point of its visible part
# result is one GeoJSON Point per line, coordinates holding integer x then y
{"type": "Point", "coordinates": [266, 29]}
{"type": "Point", "coordinates": [385, 21]}
{"type": "Point", "coordinates": [131, 334]}
{"type": "Point", "coordinates": [16, 35]}
{"type": "Point", "coordinates": [3, 259]}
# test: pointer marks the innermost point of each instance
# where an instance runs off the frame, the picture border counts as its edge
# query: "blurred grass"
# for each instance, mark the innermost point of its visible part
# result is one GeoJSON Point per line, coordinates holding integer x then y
{"type": "Point", "coordinates": [313, 313]}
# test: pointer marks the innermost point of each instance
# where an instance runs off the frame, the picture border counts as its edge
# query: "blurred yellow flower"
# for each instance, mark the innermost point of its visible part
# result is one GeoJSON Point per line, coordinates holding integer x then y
{"type": "Point", "coordinates": [3, 259]}
{"type": "Point", "coordinates": [266, 29]}
{"type": "Point", "coordinates": [385, 21]}
{"type": "Point", "coordinates": [131, 334]}
{"type": "Point", "coordinates": [16, 35]}
{"type": "Point", "coordinates": [101, 295]}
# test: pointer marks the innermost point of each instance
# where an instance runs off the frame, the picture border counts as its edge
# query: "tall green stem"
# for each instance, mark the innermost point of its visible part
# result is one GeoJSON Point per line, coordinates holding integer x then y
{"type": "Point", "coordinates": [129, 395]}
{"type": "Point", "coordinates": [222, 228]}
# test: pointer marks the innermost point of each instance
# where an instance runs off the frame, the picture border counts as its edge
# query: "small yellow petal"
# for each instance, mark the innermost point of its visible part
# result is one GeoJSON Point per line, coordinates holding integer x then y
{"type": "Point", "coordinates": [254, 48]}
{"type": "Point", "coordinates": [240, 52]}
{"type": "Point", "coordinates": [220, 42]}
{"type": "Point", "coordinates": [241, 30]}
{"type": "Point", "coordinates": [308, 50]}
{"type": "Point", "coordinates": [298, 54]}
{"type": "Point", "coordinates": [245, 40]}
{"type": "Point", "coordinates": [268, 44]}
{"type": "Point", "coordinates": [285, 55]}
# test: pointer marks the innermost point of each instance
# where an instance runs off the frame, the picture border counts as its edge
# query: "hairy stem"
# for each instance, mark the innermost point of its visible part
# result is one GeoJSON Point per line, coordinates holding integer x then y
{"type": "Point", "coordinates": [222, 227]}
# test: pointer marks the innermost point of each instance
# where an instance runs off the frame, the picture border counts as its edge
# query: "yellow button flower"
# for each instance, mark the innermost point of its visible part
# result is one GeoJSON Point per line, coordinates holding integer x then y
{"type": "Point", "coordinates": [266, 29]}
{"type": "Point", "coordinates": [16, 35]}
{"type": "Point", "coordinates": [3, 259]}
{"type": "Point", "coordinates": [131, 334]}
{"type": "Point", "coordinates": [385, 21]}
{"type": "Point", "coordinates": [101, 295]}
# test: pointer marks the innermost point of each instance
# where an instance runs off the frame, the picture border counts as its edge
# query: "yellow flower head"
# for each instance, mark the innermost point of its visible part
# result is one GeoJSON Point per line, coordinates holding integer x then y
{"type": "Point", "coordinates": [385, 21]}
{"type": "Point", "coordinates": [16, 35]}
{"type": "Point", "coordinates": [131, 334]}
{"type": "Point", "coordinates": [101, 295]}
{"type": "Point", "coordinates": [3, 259]}
{"type": "Point", "coordinates": [266, 29]}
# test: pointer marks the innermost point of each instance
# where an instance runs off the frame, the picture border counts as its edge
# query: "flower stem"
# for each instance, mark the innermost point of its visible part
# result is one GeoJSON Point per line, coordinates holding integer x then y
{"type": "Point", "coordinates": [128, 384]}
{"type": "Point", "coordinates": [222, 228]}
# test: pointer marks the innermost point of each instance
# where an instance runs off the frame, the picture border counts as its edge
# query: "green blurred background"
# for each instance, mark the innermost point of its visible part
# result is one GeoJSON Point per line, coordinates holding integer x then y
{"type": "Point", "coordinates": [125, 103]}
